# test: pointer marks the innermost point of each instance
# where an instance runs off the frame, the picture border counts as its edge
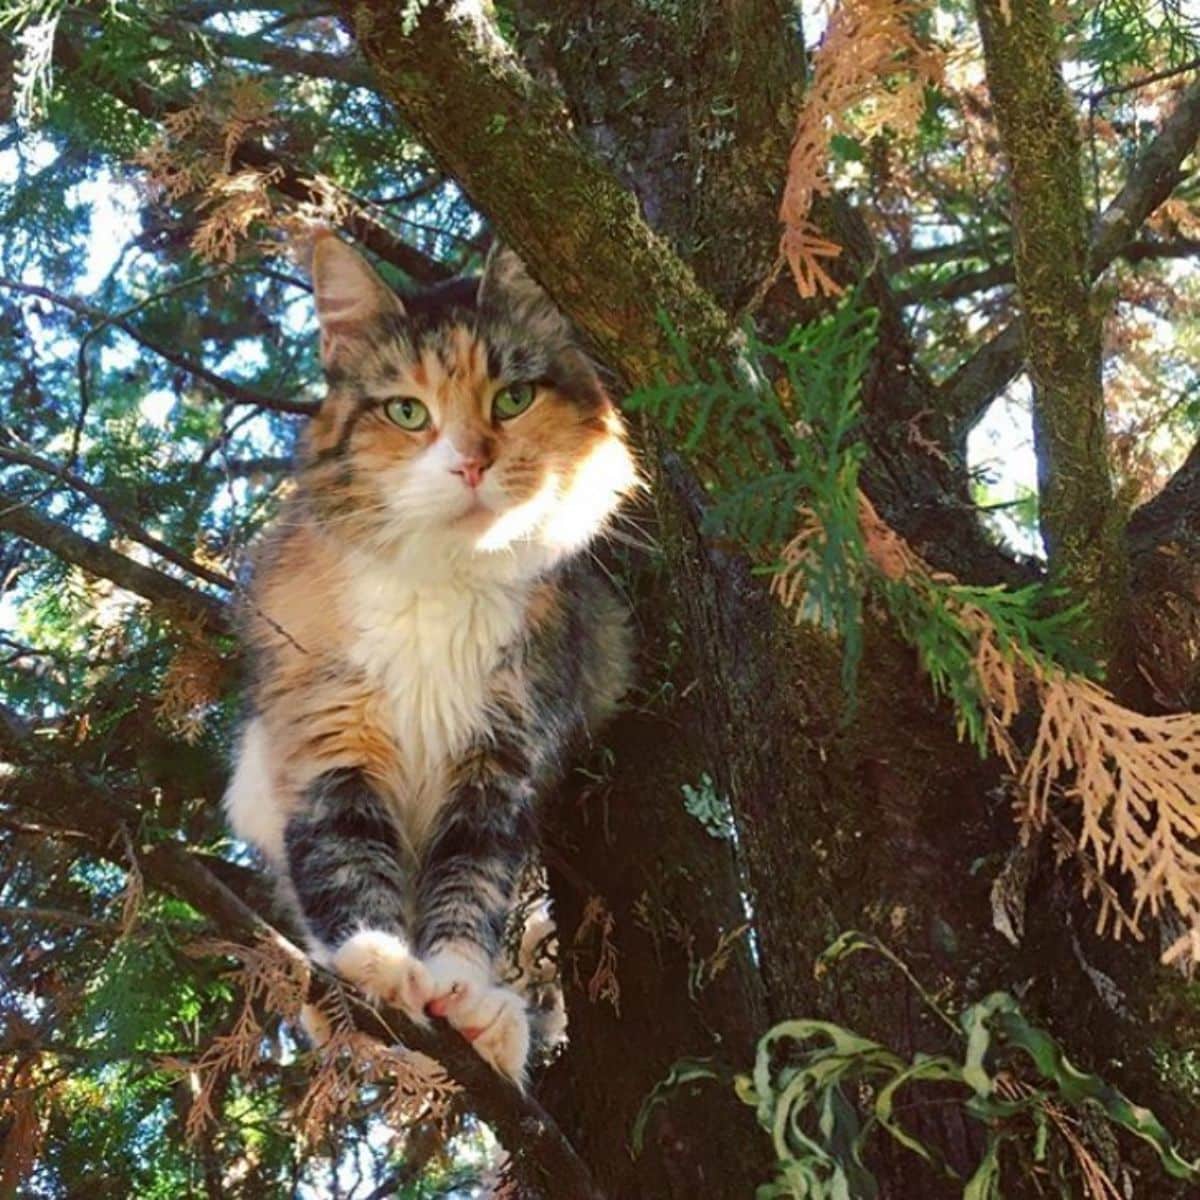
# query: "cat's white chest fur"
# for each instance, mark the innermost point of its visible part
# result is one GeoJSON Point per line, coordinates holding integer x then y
{"type": "Point", "coordinates": [431, 646]}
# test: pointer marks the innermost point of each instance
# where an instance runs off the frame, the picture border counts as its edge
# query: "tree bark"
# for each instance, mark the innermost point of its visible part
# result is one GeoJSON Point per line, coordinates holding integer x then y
{"type": "Point", "coordinates": [1080, 521]}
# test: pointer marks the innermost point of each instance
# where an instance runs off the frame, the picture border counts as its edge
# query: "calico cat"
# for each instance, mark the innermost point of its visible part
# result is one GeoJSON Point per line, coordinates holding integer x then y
{"type": "Point", "coordinates": [429, 639]}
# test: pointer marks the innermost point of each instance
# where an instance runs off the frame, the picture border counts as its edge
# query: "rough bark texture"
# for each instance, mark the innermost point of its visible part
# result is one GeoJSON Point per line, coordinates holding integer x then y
{"type": "Point", "coordinates": [692, 108]}
{"type": "Point", "coordinates": [1081, 524]}
{"type": "Point", "coordinates": [505, 137]}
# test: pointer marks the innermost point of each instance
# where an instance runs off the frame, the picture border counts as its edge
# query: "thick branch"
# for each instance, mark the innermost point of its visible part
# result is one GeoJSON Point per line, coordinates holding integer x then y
{"type": "Point", "coordinates": [169, 594]}
{"type": "Point", "coordinates": [1079, 519]}
{"type": "Point", "coordinates": [456, 82]}
{"type": "Point", "coordinates": [969, 390]}
{"type": "Point", "coordinates": [1154, 177]}
{"type": "Point", "coordinates": [701, 124]}
{"type": "Point", "coordinates": [1174, 512]}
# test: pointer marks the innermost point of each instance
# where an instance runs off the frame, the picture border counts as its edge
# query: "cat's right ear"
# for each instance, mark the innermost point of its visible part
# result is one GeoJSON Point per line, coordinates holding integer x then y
{"type": "Point", "coordinates": [350, 296]}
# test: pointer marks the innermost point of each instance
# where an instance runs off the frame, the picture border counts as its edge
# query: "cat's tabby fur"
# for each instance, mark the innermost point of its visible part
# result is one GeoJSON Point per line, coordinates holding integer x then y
{"type": "Point", "coordinates": [429, 638]}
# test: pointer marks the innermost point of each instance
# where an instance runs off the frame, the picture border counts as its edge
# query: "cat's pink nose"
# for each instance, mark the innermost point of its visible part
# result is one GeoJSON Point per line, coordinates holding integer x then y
{"type": "Point", "coordinates": [472, 469]}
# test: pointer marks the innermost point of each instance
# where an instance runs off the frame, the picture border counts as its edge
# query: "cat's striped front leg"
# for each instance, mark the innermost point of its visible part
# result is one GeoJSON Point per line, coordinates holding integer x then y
{"type": "Point", "coordinates": [346, 866]}
{"type": "Point", "coordinates": [465, 890]}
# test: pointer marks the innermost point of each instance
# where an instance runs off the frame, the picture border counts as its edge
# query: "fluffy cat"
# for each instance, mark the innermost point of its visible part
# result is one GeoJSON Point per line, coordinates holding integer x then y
{"type": "Point", "coordinates": [428, 637]}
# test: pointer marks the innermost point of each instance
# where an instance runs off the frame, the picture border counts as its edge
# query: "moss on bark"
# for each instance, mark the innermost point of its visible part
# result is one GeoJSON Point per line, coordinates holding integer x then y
{"type": "Point", "coordinates": [1080, 519]}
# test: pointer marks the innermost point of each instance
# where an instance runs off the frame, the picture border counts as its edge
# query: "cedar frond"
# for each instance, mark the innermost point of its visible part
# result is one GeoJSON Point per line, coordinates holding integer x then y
{"type": "Point", "coordinates": [407, 1085]}
{"type": "Point", "coordinates": [868, 72]}
{"type": "Point", "coordinates": [411, 1086]}
{"type": "Point", "coordinates": [195, 156]}
{"type": "Point", "coordinates": [1134, 778]}
{"type": "Point", "coordinates": [236, 202]}
{"type": "Point", "coordinates": [194, 681]}
{"type": "Point", "coordinates": [268, 977]}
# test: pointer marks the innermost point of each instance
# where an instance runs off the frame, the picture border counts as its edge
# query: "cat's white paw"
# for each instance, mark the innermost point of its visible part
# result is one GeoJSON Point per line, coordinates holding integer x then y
{"type": "Point", "coordinates": [382, 965]}
{"type": "Point", "coordinates": [493, 1018]}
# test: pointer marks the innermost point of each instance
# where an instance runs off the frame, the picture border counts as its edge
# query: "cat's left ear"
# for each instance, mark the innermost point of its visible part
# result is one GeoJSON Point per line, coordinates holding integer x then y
{"type": "Point", "coordinates": [507, 288]}
{"type": "Point", "coordinates": [349, 294]}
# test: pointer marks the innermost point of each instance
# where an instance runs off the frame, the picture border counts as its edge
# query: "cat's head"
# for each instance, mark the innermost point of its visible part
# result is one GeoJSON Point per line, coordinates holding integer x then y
{"type": "Point", "coordinates": [464, 418]}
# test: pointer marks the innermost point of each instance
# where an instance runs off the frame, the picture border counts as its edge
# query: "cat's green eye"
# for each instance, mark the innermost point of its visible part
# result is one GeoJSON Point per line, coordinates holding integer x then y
{"type": "Point", "coordinates": [407, 412]}
{"type": "Point", "coordinates": [513, 400]}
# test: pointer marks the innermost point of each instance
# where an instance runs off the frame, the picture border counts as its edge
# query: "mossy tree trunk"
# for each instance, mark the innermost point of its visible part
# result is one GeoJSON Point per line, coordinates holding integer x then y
{"type": "Point", "coordinates": [1081, 524]}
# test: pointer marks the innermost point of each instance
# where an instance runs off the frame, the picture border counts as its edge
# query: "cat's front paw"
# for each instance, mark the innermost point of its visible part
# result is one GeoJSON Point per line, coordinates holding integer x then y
{"type": "Point", "coordinates": [493, 1018]}
{"type": "Point", "coordinates": [383, 967]}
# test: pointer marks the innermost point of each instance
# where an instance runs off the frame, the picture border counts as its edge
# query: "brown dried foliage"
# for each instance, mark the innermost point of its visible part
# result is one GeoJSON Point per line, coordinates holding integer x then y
{"type": "Point", "coordinates": [868, 72]}
{"type": "Point", "coordinates": [194, 681]}
{"type": "Point", "coordinates": [133, 894]}
{"type": "Point", "coordinates": [22, 1118]}
{"type": "Point", "coordinates": [408, 1086]}
{"type": "Point", "coordinates": [273, 979]}
{"type": "Point", "coordinates": [1133, 779]}
{"type": "Point", "coordinates": [196, 157]}
{"type": "Point", "coordinates": [598, 923]}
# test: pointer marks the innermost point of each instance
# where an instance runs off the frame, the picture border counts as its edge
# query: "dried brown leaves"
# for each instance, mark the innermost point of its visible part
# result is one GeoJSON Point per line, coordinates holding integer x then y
{"type": "Point", "coordinates": [196, 156]}
{"type": "Point", "coordinates": [271, 980]}
{"type": "Point", "coordinates": [868, 72]}
{"type": "Point", "coordinates": [598, 924]}
{"type": "Point", "coordinates": [24, 1092]}
{"type": "Point", "coordinates": [408, 1086]}
{"type": "Point", "coordinates": [274, 980]}
{"type": "Point", "coordinates": [1133, 779]}
{"type": "Point", "coordinates": [1136, 780]}
{"type": "Point", "coordinates": [194, 681]}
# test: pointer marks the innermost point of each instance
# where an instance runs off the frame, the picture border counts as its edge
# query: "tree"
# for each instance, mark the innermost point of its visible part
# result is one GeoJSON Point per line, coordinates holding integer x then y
{"type": "Point", "coordinates": [813, 259]}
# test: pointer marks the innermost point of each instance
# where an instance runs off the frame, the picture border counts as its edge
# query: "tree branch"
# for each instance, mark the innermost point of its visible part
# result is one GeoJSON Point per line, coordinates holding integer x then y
{"type": "Point", "coordinates": [968, 392]}
{"type": "Point", "coordinates": [1080, 522]}
{"type": "Point", "coordinates": [173, 597]}
{"type": "Point", "coordinates": [1154, 177]}
{"type": "Point", "coordinates": [289, 180]}
{"type": "Point", "coordinates": [357, 222]}
{"type": "Point", "coordinates": [455, 79]}
{"type": "Point", "coordinates": [542, 1159]}
{"type": "Point", "coordinates": [1172, 510]}
{"type": "Point", "coordinates": [236, 392]}
{"type": "Point", "coordinates": [55, 916]}
{"type": "Point", "coordinates": [110, 509]}
{"type": "Point", "coordinates": [968, 283]}
{"type": "Point", "coordinates": [287, 60]}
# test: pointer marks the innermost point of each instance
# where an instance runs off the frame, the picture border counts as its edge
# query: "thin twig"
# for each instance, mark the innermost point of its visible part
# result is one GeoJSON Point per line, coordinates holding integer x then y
{"type": "Point", "coordinates": [1143, 81]}
{"type": "Point", "coordinates": [237, 392]}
